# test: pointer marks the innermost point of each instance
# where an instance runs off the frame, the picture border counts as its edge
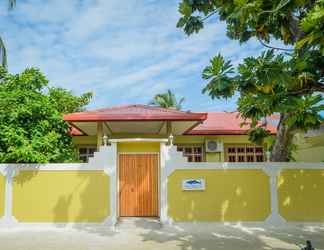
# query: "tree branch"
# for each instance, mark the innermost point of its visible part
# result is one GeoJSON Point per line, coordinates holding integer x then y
{"type": "Point", "coordinates": [271, 47]}
{"type": "Point", "coordinates": [209, 15]}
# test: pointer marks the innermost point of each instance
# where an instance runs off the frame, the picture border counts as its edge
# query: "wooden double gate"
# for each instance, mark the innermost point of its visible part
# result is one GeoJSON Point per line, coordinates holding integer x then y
{"type": "Point", "coordinates": [138, 185]}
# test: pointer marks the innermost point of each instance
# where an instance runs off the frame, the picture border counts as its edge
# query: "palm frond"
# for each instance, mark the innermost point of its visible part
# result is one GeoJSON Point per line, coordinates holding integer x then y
{"type": "Point", "coordinates": [3, 54]}
{"type": "Point", "coordinates": [167, 100]}
{"type": "Point", "coordinates": [12, 4]}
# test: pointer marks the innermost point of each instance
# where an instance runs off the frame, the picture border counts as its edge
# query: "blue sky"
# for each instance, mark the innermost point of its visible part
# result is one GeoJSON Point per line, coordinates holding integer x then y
{"type": "Point", "coordinates": [123, 51]}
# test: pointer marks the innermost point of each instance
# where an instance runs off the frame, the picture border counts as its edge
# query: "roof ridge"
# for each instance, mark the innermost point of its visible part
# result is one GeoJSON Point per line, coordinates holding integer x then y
{"type": "Point", "coordinates": [145, 106]}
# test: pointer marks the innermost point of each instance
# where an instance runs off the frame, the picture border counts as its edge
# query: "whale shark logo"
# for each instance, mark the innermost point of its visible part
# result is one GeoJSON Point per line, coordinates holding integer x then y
{"type": "Point", "coordinates": [193, 182]}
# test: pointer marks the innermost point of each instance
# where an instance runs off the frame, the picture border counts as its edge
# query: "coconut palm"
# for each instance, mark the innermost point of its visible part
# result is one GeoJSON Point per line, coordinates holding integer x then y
{"type": "Point", "coordinates": [167, 100]}
{"type": "Point", "coordinates": [3, 51]}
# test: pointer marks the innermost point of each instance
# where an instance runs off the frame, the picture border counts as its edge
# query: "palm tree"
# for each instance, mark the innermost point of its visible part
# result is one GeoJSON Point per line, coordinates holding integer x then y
{"type": "Point", "coordinates": [3, 51]}
{"type": "Point", "coordinates": [167, 100]}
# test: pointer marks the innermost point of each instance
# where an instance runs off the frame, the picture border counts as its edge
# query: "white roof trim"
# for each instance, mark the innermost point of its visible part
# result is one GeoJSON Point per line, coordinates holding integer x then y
{"type": "Point", "coordinates": [139, 140]}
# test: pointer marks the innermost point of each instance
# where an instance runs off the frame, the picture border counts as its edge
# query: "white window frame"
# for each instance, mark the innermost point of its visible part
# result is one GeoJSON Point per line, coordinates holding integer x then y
{"type": "Point", "coordinates": [87, 154]}
{"type": "Point", "coordinates": [202, 154]}
{"type": "Point", "coordinates": [245, 154]}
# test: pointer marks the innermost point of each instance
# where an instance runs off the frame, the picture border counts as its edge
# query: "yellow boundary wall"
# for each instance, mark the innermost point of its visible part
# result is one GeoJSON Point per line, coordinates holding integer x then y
{"type": "Point", "coordinates": [87, 193]}
{"type": "Point", "coordinates": [230, 195]}
{"type": "Point", "coordinates": [301, 195]}
{"type": "Point", "coordinates": [61, 196]}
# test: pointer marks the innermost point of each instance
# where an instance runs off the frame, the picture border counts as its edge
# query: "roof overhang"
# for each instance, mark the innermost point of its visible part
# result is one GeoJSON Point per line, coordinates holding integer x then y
{"type": "Point", "coordinates": [135, 119]}
{"type": "Point", "coordinates": [134, 127]}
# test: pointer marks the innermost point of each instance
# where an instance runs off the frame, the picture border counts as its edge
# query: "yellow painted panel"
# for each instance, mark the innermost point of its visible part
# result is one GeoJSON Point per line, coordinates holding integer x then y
{"type": "Point", "coordinates": [61, 196]}
{"type": "Point", "coordinates": [92, 140]}
{"type": "Point", "coordinates": [213, 157]}
{"type": "Point", "coordinates": [312, 154]}
{"type": "Point", "coordinates": [300, 195]}
{"type": "Point", "coordinates": [201, 139]}
{"type": "Point", "coordinates": [84, 140]}
{"type": "Point", "coordinates": [132, 147]}
{"type": "Point", "coordinates": [2, 194]}
{"type": "Point", "coordinates": [230, 195]}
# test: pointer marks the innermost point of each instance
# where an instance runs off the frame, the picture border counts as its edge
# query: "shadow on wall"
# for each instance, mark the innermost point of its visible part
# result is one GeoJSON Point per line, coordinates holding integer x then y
{"type": "Point", "coordinates": [230, 195]}
{"type": "Point", "coordinates": [299, 195]}
{"type": "Point", "coordinates": [28, 174]}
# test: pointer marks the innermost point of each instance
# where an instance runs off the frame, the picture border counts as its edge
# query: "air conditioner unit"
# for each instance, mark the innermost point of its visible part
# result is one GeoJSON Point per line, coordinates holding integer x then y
{"type": "Point", "coordinates": [214, 146]}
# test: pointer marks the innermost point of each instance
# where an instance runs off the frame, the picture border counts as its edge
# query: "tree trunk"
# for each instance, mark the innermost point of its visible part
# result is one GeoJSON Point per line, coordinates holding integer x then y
{"type": "Point", "coordinates": [280, 150]}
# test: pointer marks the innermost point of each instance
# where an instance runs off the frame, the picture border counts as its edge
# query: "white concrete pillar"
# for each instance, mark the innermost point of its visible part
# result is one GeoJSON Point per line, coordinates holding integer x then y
{"type": "Point", "coordinates": [274, 217]}
{"type": "Point", "coordinates": [163, 183]}
{"type": "Point", "coordinates": [10, 172]}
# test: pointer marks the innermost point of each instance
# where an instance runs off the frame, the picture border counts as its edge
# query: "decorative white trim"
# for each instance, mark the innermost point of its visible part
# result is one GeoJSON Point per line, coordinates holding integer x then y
{"type": "Point", "coordinates": [139, 140]}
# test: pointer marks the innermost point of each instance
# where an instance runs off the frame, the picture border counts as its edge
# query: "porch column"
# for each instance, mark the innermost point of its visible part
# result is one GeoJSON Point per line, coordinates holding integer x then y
{"type": "Point", "coordinates": [169, 128]}
{"type": "Point", "coordinates": [99, 134]}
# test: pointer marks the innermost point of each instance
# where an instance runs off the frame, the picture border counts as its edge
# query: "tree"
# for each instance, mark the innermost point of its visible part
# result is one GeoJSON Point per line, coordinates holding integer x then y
{"type": "Point", "coordinates": [167, 100]}
{"type": "Point", "coordinates": [32, 129]}
{"type": "Point", "coordinates": [287, 80]}
{"type": "Point", "coordinates": [3, 50]}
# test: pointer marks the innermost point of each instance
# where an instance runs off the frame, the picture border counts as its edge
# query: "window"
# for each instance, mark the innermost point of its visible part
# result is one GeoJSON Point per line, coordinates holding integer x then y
{"type": "Point", "coordinates": [194, 153]}
{"type": "Point", "coordinates": [244, 153]}
{"type": "Point", "coordinates": [85, 152]}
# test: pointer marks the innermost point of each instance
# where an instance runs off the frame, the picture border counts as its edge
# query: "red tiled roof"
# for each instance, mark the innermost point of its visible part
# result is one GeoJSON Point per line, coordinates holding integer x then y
{"type": "Point", "coordinates": [224, 123]}
{"type": "Point", "coordinates": [213, 123]}
{"type": "Point", "coordinates": [134, 113]}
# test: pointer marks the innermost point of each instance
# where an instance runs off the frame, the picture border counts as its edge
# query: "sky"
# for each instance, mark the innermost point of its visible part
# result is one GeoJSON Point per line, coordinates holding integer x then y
{"type": "Point", "coordinates": [124, 52]}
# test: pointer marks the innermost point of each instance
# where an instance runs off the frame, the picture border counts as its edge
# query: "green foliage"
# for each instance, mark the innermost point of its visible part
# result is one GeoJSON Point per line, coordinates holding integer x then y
{"type": "Point", "coordinates": [258, 135]}
{"type": "Point", "coordinates": [167, 100]}
{"type": "Point", "coordinates": [66, 102]}
{"type": "Point", "coordinates": [273, 82]}
{"type": "Point", "coordinates": [220, 84]}
{"type": "Point", "coordinates": [32, 129]}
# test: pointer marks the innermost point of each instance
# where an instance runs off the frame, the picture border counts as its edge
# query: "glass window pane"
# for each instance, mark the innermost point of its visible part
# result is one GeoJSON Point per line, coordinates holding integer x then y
{"type": "Point", "coordinates": [259, 150]}
{"type": "Point", "coordinates": [259, 158]}
{"type": "Point", "coordinates": [198, 159]}
{"type": "Point", "coordinates": [82, 150]}
{"type": "Point", "coordinates": [240, 150]}
{"type": "Point", "coordinates": [250, 158]}
{"type": "Point", "coordinates": [188, 150]}
{"type": "Point", "coordinates": [197, 150]}
{"type": "Point", "coordinates": [83, 158]}
{"type": "Point", "coordinates": [91, 151]}
{"type": "Point", "coordinates": [250, 150]}
{"type": "Point", "coordinates": [231, 158]}
{"type": "Point", "coordinates": [231, 150]}
{"type": "Point", "coordinates": [241, 158]}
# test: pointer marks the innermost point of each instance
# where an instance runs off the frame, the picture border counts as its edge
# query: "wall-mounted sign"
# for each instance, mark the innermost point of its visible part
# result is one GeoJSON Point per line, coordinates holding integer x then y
{"type": "Point", "coordinates": [193, 184]}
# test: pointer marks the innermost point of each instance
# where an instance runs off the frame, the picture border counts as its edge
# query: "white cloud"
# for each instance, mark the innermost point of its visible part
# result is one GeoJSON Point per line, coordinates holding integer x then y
{"type": "Point", "coordinates": [123, 51]}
